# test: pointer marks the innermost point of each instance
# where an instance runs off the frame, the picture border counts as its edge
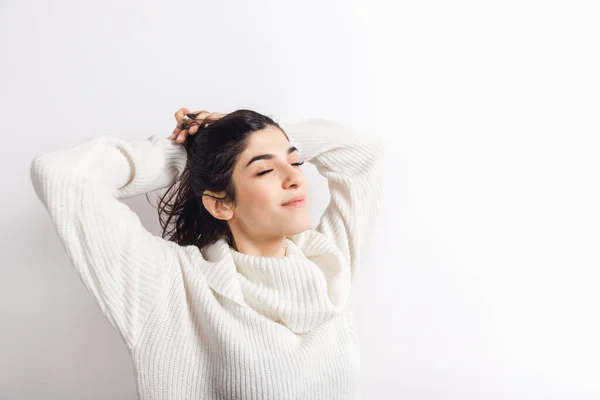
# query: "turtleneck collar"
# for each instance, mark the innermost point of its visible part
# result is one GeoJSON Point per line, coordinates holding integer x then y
{"type": "Point", "coordinates": [290, 251]}
{"type": "Point", "coordinates": [293, 290]}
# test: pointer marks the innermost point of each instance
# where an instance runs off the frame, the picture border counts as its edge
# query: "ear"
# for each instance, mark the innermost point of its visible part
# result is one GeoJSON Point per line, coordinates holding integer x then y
{"type": "Point", "coordinates": [218, 208]}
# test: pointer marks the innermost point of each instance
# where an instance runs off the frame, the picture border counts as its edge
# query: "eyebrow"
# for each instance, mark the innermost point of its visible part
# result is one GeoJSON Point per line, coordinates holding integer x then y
{"type": "Point", "coordinates": [269, 156]}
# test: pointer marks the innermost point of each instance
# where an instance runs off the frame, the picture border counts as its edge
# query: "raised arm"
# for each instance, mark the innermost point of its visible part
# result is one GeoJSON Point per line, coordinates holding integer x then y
{"type": "Point", "coordinates": [123, 265]}
{"type": "Point", "coordinates": [352, 163]}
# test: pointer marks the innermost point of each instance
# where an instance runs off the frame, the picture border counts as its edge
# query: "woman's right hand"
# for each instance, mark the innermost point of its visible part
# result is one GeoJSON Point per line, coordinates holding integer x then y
{"type": "Point", "coordinates": [184, 121]}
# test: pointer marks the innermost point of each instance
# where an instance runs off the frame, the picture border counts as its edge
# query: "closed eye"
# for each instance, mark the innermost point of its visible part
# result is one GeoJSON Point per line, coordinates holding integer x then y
{"type": "Point", "coordinates": [269, 170]}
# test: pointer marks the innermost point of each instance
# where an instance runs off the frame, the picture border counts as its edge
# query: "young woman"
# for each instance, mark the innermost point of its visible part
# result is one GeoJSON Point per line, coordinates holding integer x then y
{"type": "Point", "coordinates": [244, 300]}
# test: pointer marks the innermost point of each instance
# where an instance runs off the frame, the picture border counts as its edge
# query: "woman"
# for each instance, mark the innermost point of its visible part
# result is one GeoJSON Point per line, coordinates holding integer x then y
{"type": "Point", "coordinates": [245, 300]}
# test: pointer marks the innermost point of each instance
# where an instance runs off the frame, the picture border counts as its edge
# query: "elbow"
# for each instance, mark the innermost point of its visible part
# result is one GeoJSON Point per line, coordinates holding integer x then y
{"type": "Point", "coordinates": [42, 174]}
{"type": "Point", "coordinates": [36, 175]}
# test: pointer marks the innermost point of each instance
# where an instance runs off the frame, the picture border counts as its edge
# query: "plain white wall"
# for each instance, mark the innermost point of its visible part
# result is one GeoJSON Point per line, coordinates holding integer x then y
{"type": "Point", "coordinates": [484, 276]}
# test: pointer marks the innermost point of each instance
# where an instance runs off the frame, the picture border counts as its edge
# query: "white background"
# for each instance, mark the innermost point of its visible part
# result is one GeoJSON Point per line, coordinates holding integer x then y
{"type": "Point", "coordinates": [484, 276]}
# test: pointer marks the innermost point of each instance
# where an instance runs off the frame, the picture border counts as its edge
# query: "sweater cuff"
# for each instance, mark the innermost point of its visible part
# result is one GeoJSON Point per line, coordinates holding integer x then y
{"type": "Point", "coordinates": [175, 155]}
{"type": "Point", "coordinates": [164, 171]}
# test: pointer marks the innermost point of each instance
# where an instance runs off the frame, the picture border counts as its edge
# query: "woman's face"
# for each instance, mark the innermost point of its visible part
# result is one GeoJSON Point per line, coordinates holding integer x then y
{"type": "Point", "coordinates": [265, 178]}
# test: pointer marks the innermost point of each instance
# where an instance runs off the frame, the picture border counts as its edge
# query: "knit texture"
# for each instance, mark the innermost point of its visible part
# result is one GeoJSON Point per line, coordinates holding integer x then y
{"type": "Point", "coordinates": [216, 323]}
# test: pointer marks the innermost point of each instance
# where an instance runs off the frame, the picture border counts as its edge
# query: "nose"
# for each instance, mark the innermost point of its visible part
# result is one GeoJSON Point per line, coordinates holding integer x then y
{"type": "Point", "coordinates": [294, 176]}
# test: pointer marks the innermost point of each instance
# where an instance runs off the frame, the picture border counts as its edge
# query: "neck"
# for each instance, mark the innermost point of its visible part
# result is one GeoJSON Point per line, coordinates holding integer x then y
{"type": "Point", "coordinates": [260, 247]}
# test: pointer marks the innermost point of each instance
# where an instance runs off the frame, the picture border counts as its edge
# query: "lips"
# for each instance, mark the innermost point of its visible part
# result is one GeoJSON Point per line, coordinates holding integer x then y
{"type": "Point", "coordinates": [293, 199]}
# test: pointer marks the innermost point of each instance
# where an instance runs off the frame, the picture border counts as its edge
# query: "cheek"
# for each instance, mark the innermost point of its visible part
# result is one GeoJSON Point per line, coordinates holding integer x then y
{"type": "Point", "coordinates": [260, 197]}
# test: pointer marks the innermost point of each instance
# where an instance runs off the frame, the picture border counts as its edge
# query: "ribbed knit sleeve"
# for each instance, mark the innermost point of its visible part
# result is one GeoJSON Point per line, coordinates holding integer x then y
{"type": "Point", "coordinates": [352, 163]}
{"type": "Point", "coordinates": [122, 264]}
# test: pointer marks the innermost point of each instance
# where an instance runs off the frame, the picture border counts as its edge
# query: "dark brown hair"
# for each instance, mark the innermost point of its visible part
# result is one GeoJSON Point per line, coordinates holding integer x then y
{"type": "Point", "coordinates": [211, 156]}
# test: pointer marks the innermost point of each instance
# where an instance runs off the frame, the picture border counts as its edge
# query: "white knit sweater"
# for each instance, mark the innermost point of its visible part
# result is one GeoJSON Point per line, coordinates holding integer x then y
{"type": "Point", "coordinates": [219, 324]}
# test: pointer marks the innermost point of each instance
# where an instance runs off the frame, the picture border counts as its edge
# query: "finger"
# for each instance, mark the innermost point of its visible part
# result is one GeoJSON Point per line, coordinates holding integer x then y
{"type": "Point", "coordinates": [180, 113]}
{"type": "Point", "coordinates": [179, 116]}
{"type": "Point", "coordinates": [183, 133]}
{"type": "Point", "coordinates": [179, 130]}
{"type": "Point", "coordinates": [199, 116]}
{"type": "Point", "coordinates": [176, 131]}
{"type": "Point", "coordinates": [196, 113]}
{"type": "Point", "coordinates": [214, 116]}
{"type": "Point", "coordinates": [181, 137]}
{"type": "Point", "coordinates": [180, 134]}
